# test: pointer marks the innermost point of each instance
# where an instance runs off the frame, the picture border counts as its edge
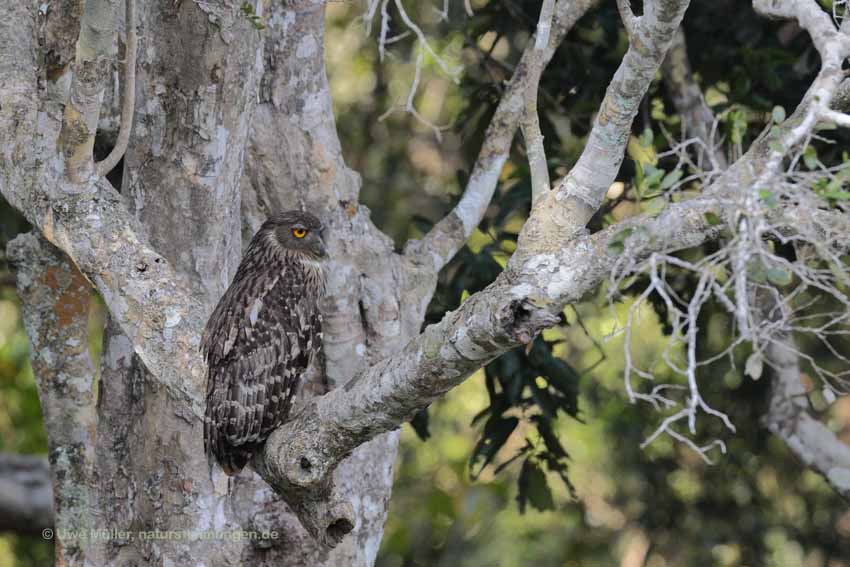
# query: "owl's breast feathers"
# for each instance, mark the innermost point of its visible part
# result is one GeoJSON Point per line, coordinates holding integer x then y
{"type": "Point", "coordinates": [258, 342]}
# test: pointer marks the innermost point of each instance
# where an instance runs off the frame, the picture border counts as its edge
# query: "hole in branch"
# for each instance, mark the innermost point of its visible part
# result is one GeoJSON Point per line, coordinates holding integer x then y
{"type": "Point", "coordinates": [306, 465]}
{"type": "Point", "coordinates": [338, 529]}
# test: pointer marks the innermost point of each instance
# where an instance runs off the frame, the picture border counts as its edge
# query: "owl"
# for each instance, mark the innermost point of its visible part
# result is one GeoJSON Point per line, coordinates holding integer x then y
{"type": "Point", "coordinates": [262, 336]}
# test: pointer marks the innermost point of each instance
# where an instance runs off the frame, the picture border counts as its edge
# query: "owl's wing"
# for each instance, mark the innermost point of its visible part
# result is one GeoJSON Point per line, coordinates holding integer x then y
{"type": "Point", "coordinates": [259, 351]}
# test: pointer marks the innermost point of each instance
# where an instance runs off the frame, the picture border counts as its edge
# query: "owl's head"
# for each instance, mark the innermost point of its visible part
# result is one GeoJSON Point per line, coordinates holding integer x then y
{"type": "Point", "coordinates": [297, 232]}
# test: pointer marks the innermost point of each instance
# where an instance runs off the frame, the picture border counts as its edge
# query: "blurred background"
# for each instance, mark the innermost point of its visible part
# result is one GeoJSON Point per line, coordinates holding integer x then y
{"type": "Point", "coordinates": [536, 460]}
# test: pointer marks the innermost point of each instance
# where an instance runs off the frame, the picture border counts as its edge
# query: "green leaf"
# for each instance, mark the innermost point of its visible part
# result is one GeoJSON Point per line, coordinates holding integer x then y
{"type": "Point", "coordinates": [838, 195]}
{"type": "Point", "coordinates": [671, 178]}
{"type": "Point", "coordinates": [533, 488]}
{"type": "Point", "coordinates": [779, 276]}
{"type": "Point", "coordinates": [768, 198]}
{"type": "Point", "coordinates": [778, 114]}
{"type": "Point", "coordinates": [553, 444]}
{"type": "Point", "coordinates": [810, 157]}
{"type": "Point", "coordinates": [654, 177]}
{"type": "Point", "coordinates": [714, 97]}
{"type": "Point", "coordinates": [496, 433]}
{"type": "Point", "coordinates": [712, 219]}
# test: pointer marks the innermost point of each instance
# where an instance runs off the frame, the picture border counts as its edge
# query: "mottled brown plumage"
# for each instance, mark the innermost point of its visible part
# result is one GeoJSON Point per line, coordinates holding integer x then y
{"type": "Point", "coordinates": [262, 336]}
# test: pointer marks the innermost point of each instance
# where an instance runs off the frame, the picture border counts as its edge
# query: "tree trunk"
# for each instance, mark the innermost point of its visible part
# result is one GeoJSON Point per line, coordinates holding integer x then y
{"type": "Point", "coordinates": [200, 72]}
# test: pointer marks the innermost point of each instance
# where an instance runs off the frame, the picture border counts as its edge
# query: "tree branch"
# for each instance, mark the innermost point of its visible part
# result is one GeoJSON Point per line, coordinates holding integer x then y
{"type": "Point", "coordinates": [810, 16]}
{"type": "Point", "coordinates": [142, 291]}
{"type": "Point", "coordinates": [788, 418]}
{"type": "Point", "coordinates": [18, 97]}
{"type": "Point", "coordinates": [630, 22]}
{"type": "Point", "coordinates": [299, 457]}
{"type": "Point", "coordinates": [26, 496]}
{"type": "Point", "coordinates": [449, 235]}
{"type": "Point", "coordinates": [698, 121]}
{"type": "Point", "coordinates": [565, 210]}
{"type": "Point", "coordinates": [530, 123]}
{"type": "Point", "coordinates": [129, 101]}
{"type": "Point", "coordinates": [91, 70]}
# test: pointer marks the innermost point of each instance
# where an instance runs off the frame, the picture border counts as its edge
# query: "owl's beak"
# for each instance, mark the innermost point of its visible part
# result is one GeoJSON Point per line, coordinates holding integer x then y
{"type": "Point", "coordinates": [319, 248]}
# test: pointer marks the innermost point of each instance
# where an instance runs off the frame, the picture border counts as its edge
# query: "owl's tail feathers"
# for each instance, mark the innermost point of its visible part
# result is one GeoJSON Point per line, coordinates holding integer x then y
{"type": "Point", "coordinates": [231, 459]}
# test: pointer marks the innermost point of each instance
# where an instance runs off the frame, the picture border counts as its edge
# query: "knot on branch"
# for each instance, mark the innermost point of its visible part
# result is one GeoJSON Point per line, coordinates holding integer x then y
{"type": "Point", "coordinates": [523, 319]}
{"type": "Point", "coordinates": [299, 469]}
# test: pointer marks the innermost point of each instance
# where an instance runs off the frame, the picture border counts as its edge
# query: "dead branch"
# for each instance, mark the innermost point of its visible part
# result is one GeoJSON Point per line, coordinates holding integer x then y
{"type": "Point", "coordinates": [697, 119]}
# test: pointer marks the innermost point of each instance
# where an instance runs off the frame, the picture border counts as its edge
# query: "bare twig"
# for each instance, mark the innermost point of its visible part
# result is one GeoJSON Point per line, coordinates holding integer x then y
{"type": "Point", "coordinates": [129, 101]}
{"type": "Point", "coordinates": [697, 119]}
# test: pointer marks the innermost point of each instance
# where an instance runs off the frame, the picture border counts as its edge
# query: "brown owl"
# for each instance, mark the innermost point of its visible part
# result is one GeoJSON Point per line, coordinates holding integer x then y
{"type": "Point", "coordinates": [262, 336]}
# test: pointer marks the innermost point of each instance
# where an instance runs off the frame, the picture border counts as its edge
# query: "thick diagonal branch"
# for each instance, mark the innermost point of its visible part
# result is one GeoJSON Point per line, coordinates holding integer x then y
{"type": "Point", "coordinates": [144, 294]}
{"type": "Point", "coordinates": [300, 456]}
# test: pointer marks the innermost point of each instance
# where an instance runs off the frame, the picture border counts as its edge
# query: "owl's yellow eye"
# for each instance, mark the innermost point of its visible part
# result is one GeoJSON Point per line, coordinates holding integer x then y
{"type": "Point", "coordinates": [299, 232]}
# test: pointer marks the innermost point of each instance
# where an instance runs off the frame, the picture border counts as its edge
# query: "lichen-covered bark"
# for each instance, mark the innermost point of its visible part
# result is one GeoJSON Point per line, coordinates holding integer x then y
{"type": "Point", "coordinates": [55, 299]}
{"type": "Point", "coordinates": [788, 418]}
{"type": "Point", "coordinates": [450, 234]}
